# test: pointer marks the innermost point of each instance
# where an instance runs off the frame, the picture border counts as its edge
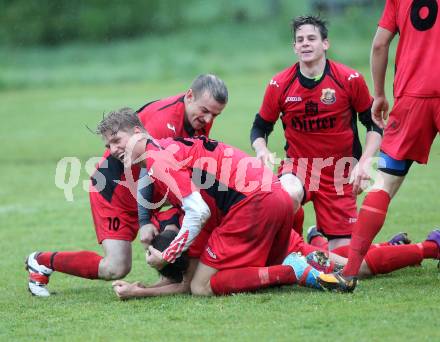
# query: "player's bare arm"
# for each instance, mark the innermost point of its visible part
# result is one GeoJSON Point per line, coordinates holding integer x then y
{"type": "Point", "coordinates": [379, 61]}
{"type": "Point", "coordinates": [360, 173]}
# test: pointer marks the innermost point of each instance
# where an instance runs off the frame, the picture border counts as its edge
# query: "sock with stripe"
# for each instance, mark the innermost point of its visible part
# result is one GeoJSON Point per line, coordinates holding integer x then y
{"type": "Point", "coordinates": [370, 220]}
{"type": "Point", "coordinates": [84, 264]}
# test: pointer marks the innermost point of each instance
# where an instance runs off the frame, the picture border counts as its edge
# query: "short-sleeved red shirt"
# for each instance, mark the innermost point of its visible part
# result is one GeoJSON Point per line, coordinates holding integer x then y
{"type": "Point", "coordinates": [417, 22]}
{"type": "Point", "coordinates": [223, 174]}
{"type": "Point", "coordinates": [319, 120]}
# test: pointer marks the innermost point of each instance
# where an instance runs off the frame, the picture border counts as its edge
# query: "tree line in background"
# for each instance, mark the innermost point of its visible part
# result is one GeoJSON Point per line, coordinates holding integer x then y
{"type": "Point", "coordinates": [53, 22]}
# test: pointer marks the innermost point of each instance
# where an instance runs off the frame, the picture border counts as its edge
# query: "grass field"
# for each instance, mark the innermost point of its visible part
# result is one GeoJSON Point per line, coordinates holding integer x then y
{"type": "Point", "coordinates": [43, 123]}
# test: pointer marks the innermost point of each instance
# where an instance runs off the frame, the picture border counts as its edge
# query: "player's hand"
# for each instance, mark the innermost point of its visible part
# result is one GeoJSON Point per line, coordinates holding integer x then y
{"type": "Point", "coordinates": [155, 259]}
{"type": "Point", "coordinates": [147, 233]}
{"type": "Point", "coordinates": [379, 111]}
{"type": "Point", "coordinates": [359, 176]}
{"type": "Point", "coordinates": [125, 290]}
{"type": "Point", "coordinates": [266, 157]}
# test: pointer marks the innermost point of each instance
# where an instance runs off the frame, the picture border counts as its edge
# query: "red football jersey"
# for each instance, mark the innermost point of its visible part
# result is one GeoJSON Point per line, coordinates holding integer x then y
{"type": "Point", "coordinates": [417, 51]}
{"type": "Point", "coordinates": [223, 174]}
{"type": "Point", "coordinates": [225, 177]}
{"type": "Point", "coordinates": [319, 117]}
{"type": "Point", "coordinates": [162, 118]}
{"type": "Point", "coordinates": [166, 118]}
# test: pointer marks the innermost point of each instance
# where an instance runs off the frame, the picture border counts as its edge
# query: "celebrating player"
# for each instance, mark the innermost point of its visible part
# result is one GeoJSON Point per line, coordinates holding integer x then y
{"type": "Point", "coordinates": [319, 100]}
{"type": "Point", "coordinates": [413, 123]}
{"type": "Point", "coordinates": [113, 205]}
{"type": "Point", "coordinates": [231, 201]}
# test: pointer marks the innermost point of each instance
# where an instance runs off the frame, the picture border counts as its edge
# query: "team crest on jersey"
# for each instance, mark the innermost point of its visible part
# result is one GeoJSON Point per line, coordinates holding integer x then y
{"type": "Point", "coordinates": [328, 96]}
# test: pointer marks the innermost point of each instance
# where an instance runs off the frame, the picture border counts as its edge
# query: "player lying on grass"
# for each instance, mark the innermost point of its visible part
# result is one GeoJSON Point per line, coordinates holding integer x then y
{"type": "Point", "coordinates": [113, 205]}
{"type": "Point", "coordinates": [380, 259]}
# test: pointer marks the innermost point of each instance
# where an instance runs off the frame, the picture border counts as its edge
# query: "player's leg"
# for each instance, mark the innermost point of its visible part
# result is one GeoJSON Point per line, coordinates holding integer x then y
{"type": "Point", "coordinates": [252, 264]}
{"type": "Point", "coordinates": [316, 238]}
{"type": "Point", "coordinates": [371, 218]}
{"type": "Point", "coordinates": [407, 138]}
{"type": "Point", "coordinates": [335, 214]}
{"type": "Point", "coordinates": [295, 188]}
{"type": "Point", "coordinates": [201, 281]}
{"type": "Point", "coordinates": [116, 263]}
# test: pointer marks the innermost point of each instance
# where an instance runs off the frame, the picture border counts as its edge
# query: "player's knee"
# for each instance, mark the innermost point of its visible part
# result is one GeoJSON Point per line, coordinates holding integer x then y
{"type": "Point", "coordinates": [199, 289]}
{"type": "Point", "coordinates": [294, 188]}
{"type": "Point", "coordinates": [114, 270]}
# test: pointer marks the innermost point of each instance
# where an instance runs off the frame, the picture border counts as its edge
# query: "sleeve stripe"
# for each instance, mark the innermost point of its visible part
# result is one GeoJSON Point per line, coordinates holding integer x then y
{"type": "Point", "coordinates": [175, 249]}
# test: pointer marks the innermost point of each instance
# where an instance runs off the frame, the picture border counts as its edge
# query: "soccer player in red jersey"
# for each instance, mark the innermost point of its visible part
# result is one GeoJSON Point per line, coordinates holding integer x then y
{"type": "Point", "coordinates": [228, 197]}
{"type": "Point", "coordinates": [114, 208]}
{"type": "Point", "coordinates": [413, 123]}
{"type": "Point", "coordinates": [318, 102]}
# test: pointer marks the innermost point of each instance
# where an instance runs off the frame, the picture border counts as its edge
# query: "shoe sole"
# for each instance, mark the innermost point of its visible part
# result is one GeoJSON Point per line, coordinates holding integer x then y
{"type": "Point", "coordinates": [333, 287]}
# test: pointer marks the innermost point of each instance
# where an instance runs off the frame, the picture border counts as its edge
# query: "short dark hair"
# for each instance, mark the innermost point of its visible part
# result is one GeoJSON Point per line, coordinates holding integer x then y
{"type": "Point", "coordinates": [316, 21]}
{"type": "Point", "coordinates": [175, 270]}
{"type": "Point", "coordinates": [211, 84]}
{"type": "Point", "coordinates": [118, 120]}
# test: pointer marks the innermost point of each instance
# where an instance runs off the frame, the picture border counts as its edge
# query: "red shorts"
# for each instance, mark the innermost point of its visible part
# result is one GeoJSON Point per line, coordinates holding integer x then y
{"type": "Point", "coordinates": [111, 221]}
{"type": "Point", "coordinates": [255, 232]}
{"type": "Point", "coordinates": [412, 127]}
{"type": "Point", "coordinates": [335, 209]}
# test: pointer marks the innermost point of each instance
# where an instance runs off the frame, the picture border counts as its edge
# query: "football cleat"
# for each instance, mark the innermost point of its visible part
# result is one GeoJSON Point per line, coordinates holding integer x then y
{"type": "Point", "coordinates": [304, 273]}
{"type": "Point", "coordinates": [399, 239]}
{"type": "Point", "coordinates": [435, 237]}
{"type": "Point", "coordinates": [320, 261]}
{"type": "Point", "coordinates": [38, 276]}
{"type": "Point", "coordinates": [313, 232]}
{"type": "Point", "coordinates": [336, 282]}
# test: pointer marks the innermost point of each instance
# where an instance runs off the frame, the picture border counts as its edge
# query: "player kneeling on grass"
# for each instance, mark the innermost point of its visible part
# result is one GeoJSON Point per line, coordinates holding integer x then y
{"type": "Point", "coordinates": [214, 182]}
{"type": "Point", "coordinates": [114, 208]}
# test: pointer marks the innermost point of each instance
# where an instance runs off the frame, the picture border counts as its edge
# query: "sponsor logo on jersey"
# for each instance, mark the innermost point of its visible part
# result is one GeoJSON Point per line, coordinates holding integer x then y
{"type": "Point", "coordinates": [171, 127]}
{"type": "Point", "coordinates": [310, 108]}
{"type": "Point", "coordinates": [274, 83]}
{"type": "Point", "coordinates": [211, 253]}
{"type": "Point", "coordinates": [310, 121]}
{"type": "Point", "coordinates": [355, 75]}
{"type": "Point", "coordinates": [293, 99]}
{"type": "Point", "coordinates": [328, 96]}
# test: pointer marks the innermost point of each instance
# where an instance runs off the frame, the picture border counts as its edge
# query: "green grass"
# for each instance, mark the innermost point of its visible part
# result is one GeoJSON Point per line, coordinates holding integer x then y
{"type": "Point", "coordinates": [41, 126]}
{"type": "Point", "coordinates": [47, 99]}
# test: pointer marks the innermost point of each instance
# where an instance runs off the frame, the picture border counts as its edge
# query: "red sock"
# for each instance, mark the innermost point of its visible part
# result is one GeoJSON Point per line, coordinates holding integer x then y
{"type": "Point", "coordinates": [341, 251]}
{"type": "Point", "coordinates": [298, 221]}
{"type": "Point", "coordinates": [370, 221]}
{"type": "Point", "coordinates": [430, 250]}
{"type": "Point", "coordinates": [248, 279]}
{"type": "Point", "coordinates": [386, 259]}
{"type": "Point", "coordinates": [84, 264]}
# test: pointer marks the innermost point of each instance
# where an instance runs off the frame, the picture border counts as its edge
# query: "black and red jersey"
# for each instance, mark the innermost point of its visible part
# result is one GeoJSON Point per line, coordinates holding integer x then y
{"type": "Point", "coordinates": [319, 117]}
{"type": "Point", "coordinates": [162, 118]}
{"type": "Point", "coordinates": [224, 175]}
{"type": "Point", "coordinates": [417, 67]}
{"type": "Point", "coordinates": [166, 118]}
